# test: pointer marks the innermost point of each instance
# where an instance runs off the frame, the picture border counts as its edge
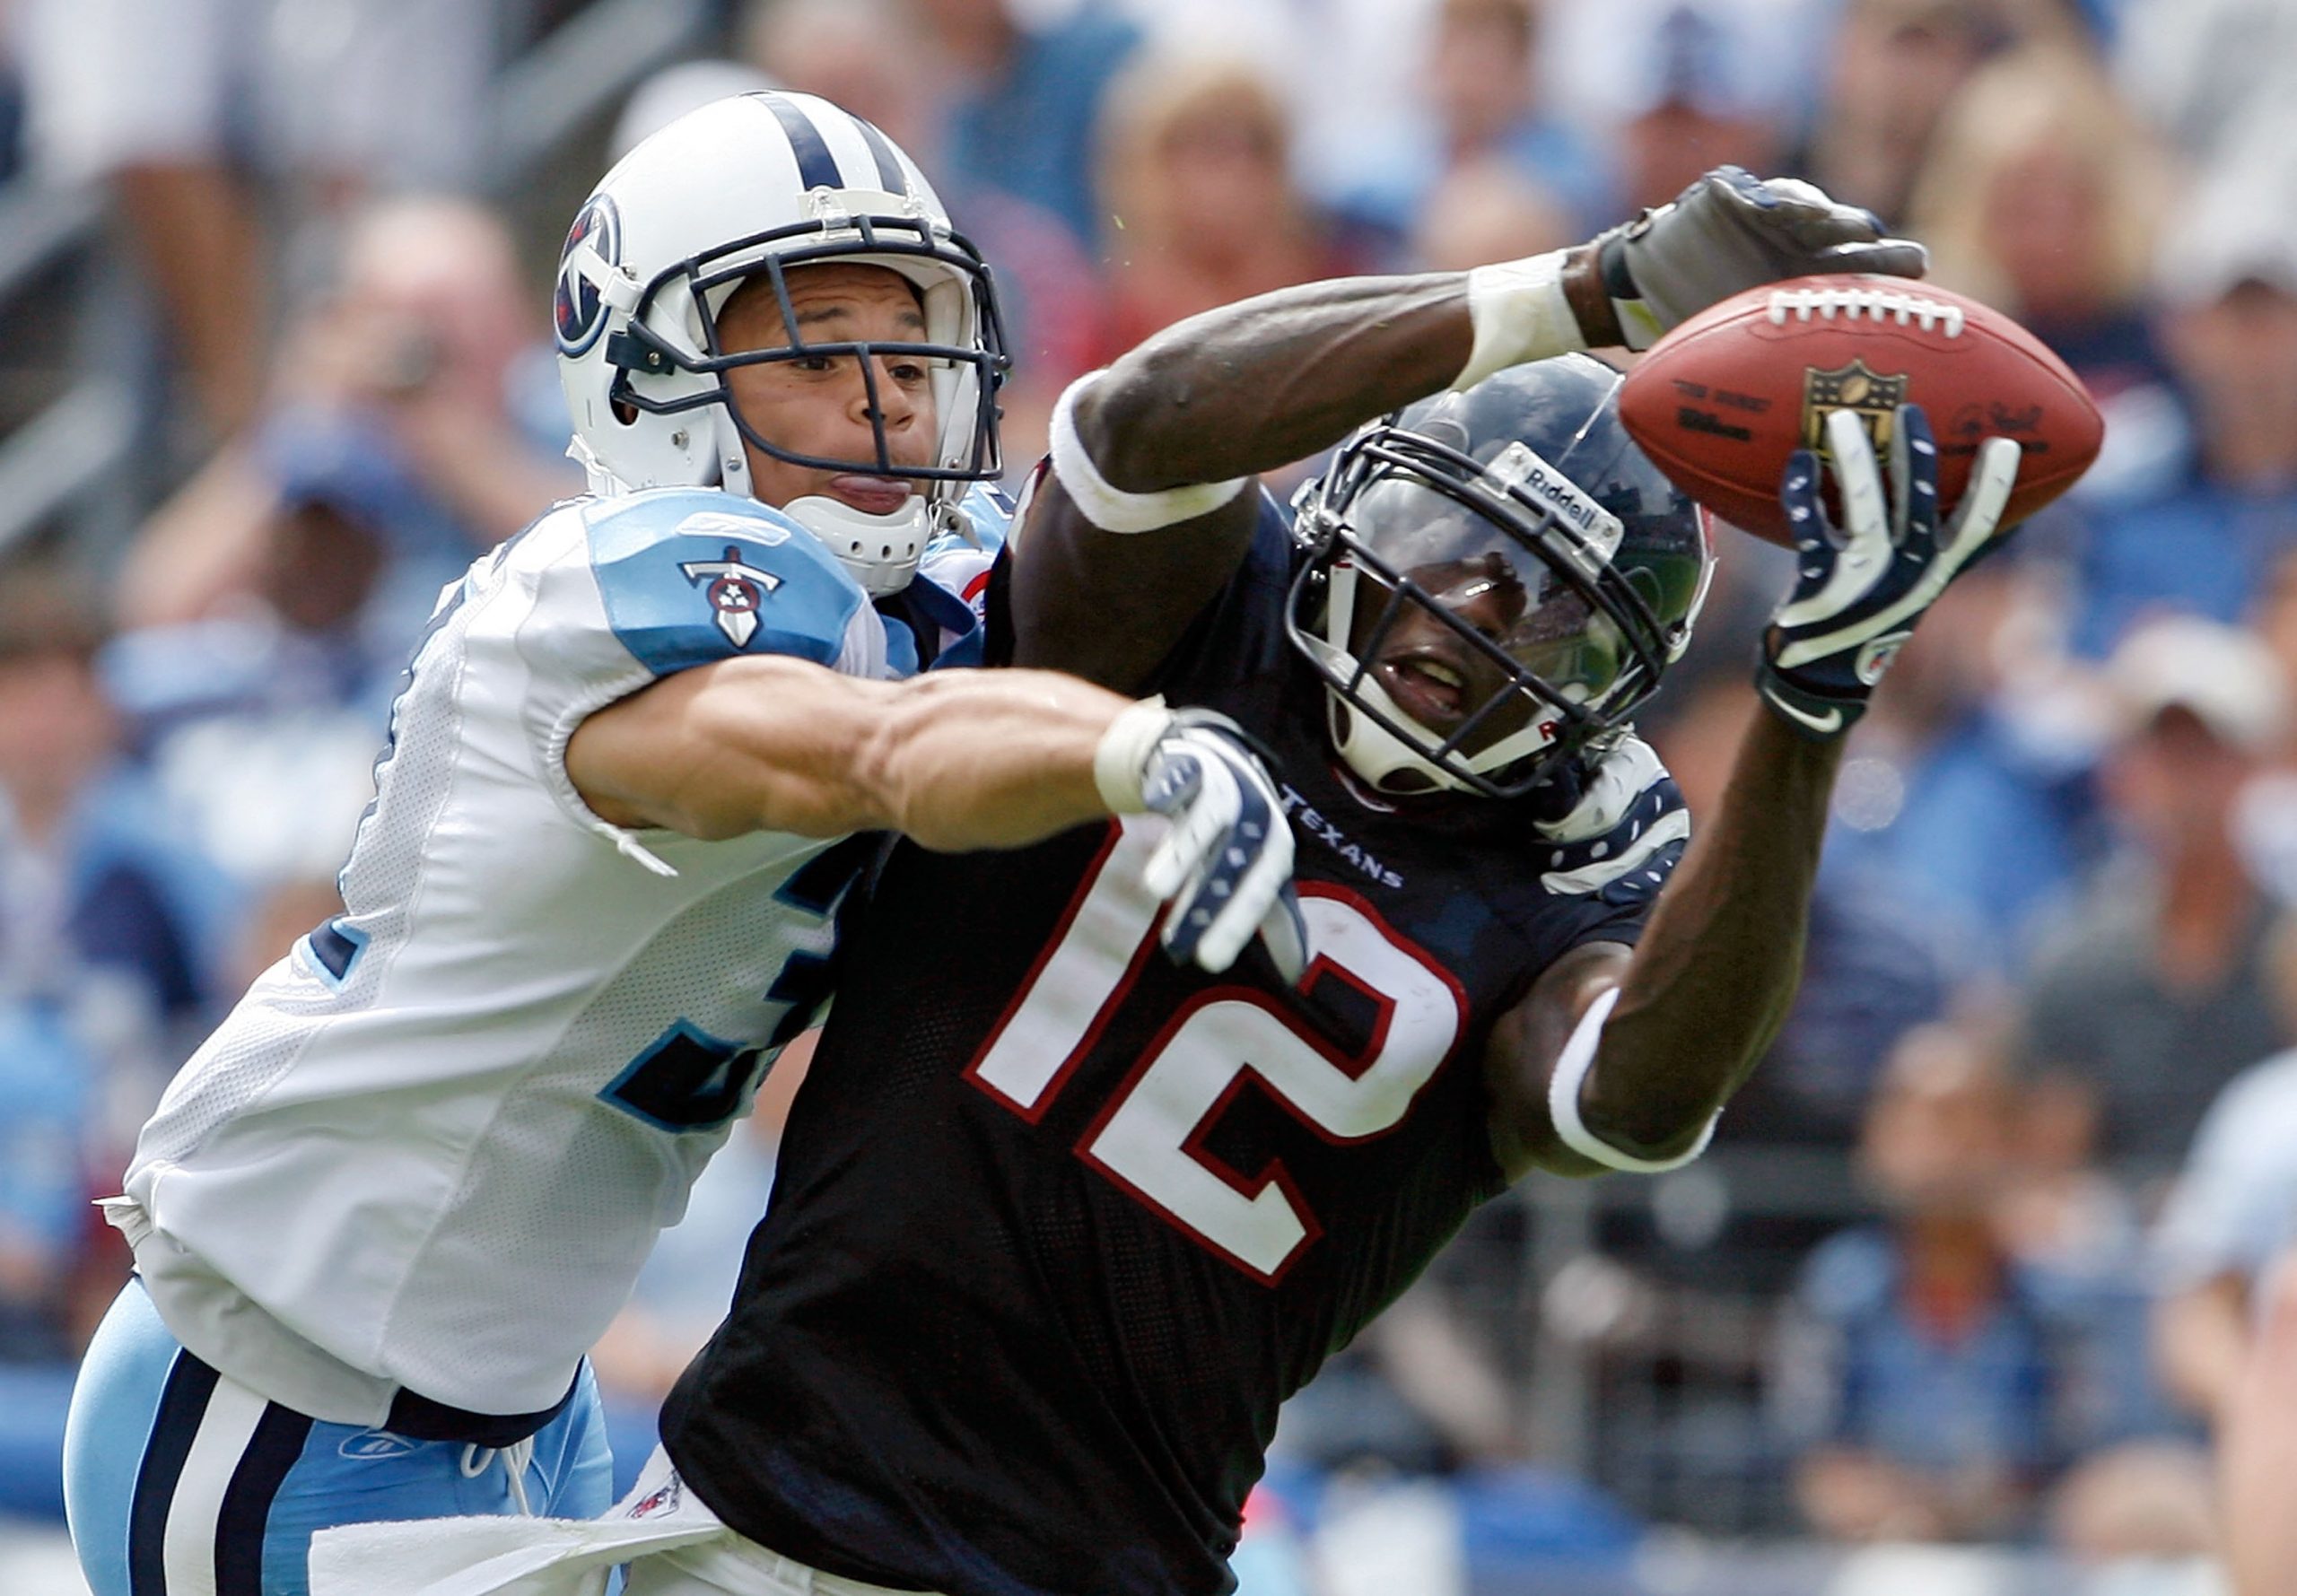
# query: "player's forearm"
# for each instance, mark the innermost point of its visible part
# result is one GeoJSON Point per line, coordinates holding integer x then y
{"type": "Point", "coordinates": [1716, 969]}
{"type": "Point", "coordinates": [986, 759]}
{"type": "Point", "coordinates": [1260, 384]}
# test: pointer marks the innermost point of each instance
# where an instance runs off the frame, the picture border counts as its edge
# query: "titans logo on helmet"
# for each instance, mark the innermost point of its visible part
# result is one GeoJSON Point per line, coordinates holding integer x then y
{"type": "Point", "coordinates": [580, 313]}
{"type": "Point", "coordinates": [735, 591]}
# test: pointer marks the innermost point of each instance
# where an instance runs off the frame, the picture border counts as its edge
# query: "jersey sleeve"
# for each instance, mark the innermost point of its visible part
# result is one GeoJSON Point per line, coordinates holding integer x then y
{"type": "Point", "coordinates": [628, 590]}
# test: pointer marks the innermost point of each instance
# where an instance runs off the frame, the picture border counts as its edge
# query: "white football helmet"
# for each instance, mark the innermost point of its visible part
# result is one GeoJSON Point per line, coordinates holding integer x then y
{"type": "Point", "coordinates": [750, 185]}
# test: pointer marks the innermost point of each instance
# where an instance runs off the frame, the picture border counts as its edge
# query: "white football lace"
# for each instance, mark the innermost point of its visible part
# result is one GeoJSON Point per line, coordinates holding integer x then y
{"type": "Point", "coordinates": [1881, 303]}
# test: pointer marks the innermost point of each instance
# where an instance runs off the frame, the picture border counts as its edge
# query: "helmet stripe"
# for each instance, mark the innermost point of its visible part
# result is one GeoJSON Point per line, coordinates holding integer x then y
{"type": "Point", "coordinates": [890, 176]}
{"type": "Point", "coordinates": [816, 167]}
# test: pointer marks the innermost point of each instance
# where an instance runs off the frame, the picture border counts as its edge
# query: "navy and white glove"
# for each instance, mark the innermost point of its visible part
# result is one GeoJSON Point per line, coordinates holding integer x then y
{"type": "Point", "coordinates": [1859, 591]}
{"type": "Point", "coordinates": [1226, 866]}
{"type": "Point", "coordinates": [1727, 233]}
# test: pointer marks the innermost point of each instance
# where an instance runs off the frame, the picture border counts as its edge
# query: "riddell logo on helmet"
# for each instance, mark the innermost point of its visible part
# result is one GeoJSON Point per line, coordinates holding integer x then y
{"type": "Point", "coordinates": [1521, 469]}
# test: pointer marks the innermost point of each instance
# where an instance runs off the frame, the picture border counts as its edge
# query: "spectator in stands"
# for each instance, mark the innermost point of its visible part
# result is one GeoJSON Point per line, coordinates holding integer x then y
{"type": "Point", "coordinates": [1942, 1387]}
{"type": "Point", "coordinates": [1196, 176]}
{"type": "Point", "coordinates": [2257, 1446]}
{"type": "Point", "coordinates": [2155, 993]}
{"type": "Point", "coordinates": [1893, 68]}
{"type": "Point", "coordinates": [1479, 105]}
{"type": "Point", "coordinates": [95, 885]}
{"type": "Point", "coordinates": [423, 374]}
{"type": "Point", "coordinates": [1024, 99]}
{"type": "Point", "coordinates": [259, 723]}
{"type": "Point", "coordinates": [2226, 1322]}
{"type": "Point", "coordinates": [1915, 1370]}
{"type": "Point", "coordinates": [1486, 210]}
{"type": "Point", "coordinates": [104, 927]}
{"type": "Point", "coordinates": [2232, 1215]}
{"type": "Point", "coordinates": [1970, 787]}
{"type": "Point", "coordinates": [208, 118]}
{"type": "Point", "coordinates": [2215, 74]}
{"type": "Point", "coordinates": [2208, 538]}
{"type": "Point", "coordinates": [2043, 197]}
{"type": "Point", "coordinates": [1697, 95]}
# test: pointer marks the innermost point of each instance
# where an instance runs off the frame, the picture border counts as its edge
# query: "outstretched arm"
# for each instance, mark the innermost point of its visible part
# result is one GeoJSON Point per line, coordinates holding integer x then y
{"type": "Point", "coordinates": [1257, 385]}
{"type": "Point", "coordinates": [1621, 1060]}
{"type": "Point", "coordinates": [957, 760]}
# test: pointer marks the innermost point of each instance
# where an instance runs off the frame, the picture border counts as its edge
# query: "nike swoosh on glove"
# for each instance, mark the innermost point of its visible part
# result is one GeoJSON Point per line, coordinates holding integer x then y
{"type": "Point", "coordinates": [1731, 231]}
{"type": "Point", "coordinates": [1859, 591]}
{"type": "Point", "coordinates": [1225, 864]}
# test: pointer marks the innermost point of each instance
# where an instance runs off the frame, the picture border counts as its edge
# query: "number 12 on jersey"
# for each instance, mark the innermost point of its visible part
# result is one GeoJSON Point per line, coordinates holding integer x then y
{"type": "Point", "coordinates": [1149, 1138]}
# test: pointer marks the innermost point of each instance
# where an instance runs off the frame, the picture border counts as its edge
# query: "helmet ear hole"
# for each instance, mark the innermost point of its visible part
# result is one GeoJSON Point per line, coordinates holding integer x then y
{"type": "Point", "coordinates": [624, 411]}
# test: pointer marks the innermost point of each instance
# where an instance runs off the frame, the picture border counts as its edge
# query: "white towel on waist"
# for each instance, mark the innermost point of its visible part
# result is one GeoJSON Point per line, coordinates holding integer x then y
{"type": "Point", "coordinates": [512, 1557]}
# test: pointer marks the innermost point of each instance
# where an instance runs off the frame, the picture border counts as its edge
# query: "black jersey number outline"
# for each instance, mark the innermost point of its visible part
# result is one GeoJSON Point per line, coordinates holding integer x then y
{"type": "Point", "coordinates": [1148, 1138]}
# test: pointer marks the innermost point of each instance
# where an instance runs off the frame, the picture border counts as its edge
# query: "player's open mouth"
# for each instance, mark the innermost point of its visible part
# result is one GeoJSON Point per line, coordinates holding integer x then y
{"type": "Point", "coordinates": [871, 495]}
{"type": "Point", "coordinates": [1430, 688]}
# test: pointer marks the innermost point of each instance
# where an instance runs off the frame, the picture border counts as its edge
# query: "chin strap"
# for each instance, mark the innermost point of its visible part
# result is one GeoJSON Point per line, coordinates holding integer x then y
{"type": "Point", "coordinates": [879, 551]}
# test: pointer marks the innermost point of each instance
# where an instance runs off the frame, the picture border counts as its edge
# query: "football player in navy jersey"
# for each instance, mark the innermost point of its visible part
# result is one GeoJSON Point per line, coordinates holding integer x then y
{"type": "Point", "coordinates": [1058, 1225]}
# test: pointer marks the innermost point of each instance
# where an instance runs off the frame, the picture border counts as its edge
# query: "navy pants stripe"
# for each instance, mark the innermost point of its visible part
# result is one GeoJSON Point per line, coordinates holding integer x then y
{"type": "Point", "coordinates": [239, 1526]}
{"type": "Point", "coordinates": [182, 1406]}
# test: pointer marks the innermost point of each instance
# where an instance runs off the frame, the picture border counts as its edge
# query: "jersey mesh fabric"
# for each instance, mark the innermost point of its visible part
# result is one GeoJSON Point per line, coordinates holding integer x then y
{"type": "Point", "coordinates": [418, 1164]}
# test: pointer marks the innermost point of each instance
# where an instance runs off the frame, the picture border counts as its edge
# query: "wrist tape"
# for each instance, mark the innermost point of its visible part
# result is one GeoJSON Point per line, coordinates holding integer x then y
{"type": "Point", "coordinates": [1122, 756]}
{"type": "Point", "coordinates": [1520, 313]}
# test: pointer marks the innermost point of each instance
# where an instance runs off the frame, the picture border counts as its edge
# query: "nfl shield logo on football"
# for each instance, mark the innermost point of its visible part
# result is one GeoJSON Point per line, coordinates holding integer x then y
{"type": "Point", "coordinates": [1874, 398]}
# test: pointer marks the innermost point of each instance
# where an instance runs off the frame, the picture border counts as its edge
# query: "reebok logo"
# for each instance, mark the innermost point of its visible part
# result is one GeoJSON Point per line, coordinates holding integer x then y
{"type": "Point", "coordinates": [370, 1446]}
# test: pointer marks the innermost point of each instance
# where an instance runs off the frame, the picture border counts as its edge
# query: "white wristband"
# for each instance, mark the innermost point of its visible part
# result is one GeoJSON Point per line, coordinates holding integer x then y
{"type": "Point", "coordinates": [1112, 508]}
{"type": "Point", "coordinates": [1571, 1066]}
{"type": "Point", "coordinates": [1520, 314]}
{"type": "Point", "coordinates": [1121, 756]}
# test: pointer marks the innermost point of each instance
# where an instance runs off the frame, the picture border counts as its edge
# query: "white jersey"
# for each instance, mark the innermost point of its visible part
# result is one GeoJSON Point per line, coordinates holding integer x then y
{"type": "Point", "coordinates": [430, 1149]}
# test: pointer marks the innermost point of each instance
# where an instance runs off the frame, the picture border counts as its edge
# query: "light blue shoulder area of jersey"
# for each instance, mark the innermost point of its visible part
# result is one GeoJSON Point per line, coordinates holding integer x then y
{"type": "Point", "coordinates": [692, 575]}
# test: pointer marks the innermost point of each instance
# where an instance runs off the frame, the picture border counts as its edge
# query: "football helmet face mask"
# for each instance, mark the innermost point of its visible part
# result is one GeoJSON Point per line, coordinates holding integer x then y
{"type": "Point", "coordinates": [1491, 579]}
{"type": "Point", "coordinates": [755, 186]}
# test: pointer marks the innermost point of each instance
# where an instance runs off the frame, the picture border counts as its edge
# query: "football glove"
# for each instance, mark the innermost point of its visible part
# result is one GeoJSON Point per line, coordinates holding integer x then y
{"type": "Point", "coordinates": [1859, 591]}
{"type": "Point", "coordinates": [1730, 231]}
{"type": "Point", "coordinates": [1225, 864]}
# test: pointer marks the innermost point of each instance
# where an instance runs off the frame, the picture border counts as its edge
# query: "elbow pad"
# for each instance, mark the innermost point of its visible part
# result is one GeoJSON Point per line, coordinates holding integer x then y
{"type": "Point", "coordinates": [1112, 508]}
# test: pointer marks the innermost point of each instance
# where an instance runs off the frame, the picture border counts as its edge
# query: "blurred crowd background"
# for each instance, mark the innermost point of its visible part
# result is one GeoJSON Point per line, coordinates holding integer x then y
{"type": "Point", "coordinates": [1978, 1255]}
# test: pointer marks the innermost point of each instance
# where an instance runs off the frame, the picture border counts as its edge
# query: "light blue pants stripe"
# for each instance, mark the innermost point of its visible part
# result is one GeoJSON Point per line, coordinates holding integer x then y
{"type": "Point", "coordinates": [344, 1474]}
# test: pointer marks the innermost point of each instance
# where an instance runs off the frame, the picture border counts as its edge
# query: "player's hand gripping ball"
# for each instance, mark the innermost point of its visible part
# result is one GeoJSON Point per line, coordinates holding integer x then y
{"type": "Point", "coordinates": [1860, 587]}
{"type": "Point", "coordinates": [1225, 864]}
{"type": "Point", "coordinates": [1729, 231]}
{"type": "Point", "coordinates": [1722, 401]}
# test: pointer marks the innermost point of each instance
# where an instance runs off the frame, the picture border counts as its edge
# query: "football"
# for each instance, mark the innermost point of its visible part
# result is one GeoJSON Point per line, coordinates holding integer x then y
{"type": "Point", "coordinates": [1720, 402]}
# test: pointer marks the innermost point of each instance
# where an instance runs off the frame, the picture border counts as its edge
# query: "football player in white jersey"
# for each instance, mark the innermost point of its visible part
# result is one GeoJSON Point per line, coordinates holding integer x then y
{"type": "Point", "coordinates": [382, 1213]}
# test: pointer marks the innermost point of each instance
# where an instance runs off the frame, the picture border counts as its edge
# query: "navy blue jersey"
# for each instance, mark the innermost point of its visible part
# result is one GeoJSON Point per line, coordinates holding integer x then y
{"type": "Point", "coordinates": [1058, 1225]}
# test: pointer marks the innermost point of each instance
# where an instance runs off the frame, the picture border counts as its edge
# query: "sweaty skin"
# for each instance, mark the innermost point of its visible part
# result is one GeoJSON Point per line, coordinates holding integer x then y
{"type": "Point", "coordinates": [1253, 387]}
